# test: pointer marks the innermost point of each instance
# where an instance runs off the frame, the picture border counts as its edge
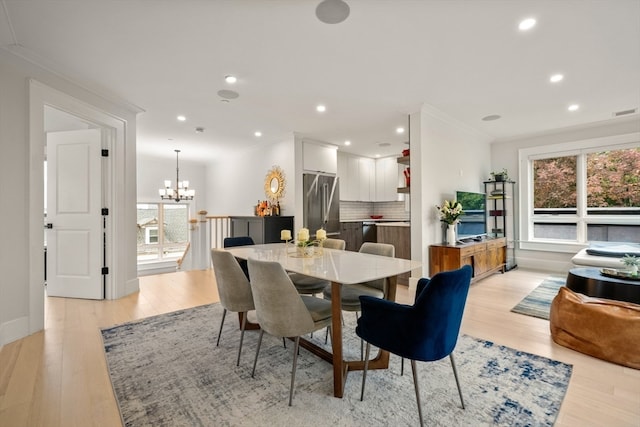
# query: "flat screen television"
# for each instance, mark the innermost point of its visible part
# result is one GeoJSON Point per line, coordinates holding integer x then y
{"type": "Point", "coordinates": [473, 221]}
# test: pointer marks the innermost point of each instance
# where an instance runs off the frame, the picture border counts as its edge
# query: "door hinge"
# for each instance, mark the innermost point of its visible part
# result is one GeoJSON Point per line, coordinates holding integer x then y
{"type": "Point", "coordinates": [105, 270]}
{"type": "Point", "coordinates": [105, 153]}
{"type": "Point", "coordinates": [105, 211]}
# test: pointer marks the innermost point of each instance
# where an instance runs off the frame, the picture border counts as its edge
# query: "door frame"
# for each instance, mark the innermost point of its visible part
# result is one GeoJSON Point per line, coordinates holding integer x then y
{"type": "Point", "coordinates": [114, 136]}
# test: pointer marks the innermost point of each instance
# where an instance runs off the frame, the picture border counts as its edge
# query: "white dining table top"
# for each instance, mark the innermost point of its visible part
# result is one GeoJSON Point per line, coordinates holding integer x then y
{"type": "Point", "coordinates": [346, 267]}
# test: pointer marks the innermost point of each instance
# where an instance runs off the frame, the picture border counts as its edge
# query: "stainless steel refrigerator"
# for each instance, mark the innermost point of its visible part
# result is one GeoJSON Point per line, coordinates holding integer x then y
{"type": "Point", "coordinates": [321, 203]}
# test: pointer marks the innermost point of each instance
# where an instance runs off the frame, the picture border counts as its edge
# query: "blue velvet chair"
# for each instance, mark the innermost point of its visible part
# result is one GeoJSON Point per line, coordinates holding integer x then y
{"type": "Point", "coordinates": [230, 242]}
{"type": "Point", "coordinates": [426, 331]}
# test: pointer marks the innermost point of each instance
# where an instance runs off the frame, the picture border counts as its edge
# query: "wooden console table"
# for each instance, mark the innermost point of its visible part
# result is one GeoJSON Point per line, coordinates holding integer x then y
{"type": "Point", "coordinates": [485, 257]}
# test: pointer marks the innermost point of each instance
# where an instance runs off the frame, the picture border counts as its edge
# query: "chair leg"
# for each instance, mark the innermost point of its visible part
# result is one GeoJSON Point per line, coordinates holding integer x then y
{"type": "Point", "coordinates": [243, 325]}
{"type": "Point", "coordinates": [402, 367]}
{"type": "Point", "coordinates": [224, 313]}
{"type": "Point", "coordinates": [364, 372]}
{"type": "Point", "coordinates": [293, 371]}
{"type": "Point", "coordinates": [257, 351]}
{"type": "Point", "coordinates": [361, 341]}
{"type": "Point", "coordinates": [415, 383]}
{"type": "Point", "coordinates": [455, 374]}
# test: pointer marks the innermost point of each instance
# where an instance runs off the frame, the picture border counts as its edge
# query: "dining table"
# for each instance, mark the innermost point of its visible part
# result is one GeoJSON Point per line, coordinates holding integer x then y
{"type": "Point", "coordinates": [340, 268]}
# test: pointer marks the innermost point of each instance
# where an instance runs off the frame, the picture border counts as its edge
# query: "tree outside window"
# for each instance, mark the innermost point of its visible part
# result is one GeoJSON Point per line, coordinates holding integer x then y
{"type": "Point", "coordinates": [592, 195]}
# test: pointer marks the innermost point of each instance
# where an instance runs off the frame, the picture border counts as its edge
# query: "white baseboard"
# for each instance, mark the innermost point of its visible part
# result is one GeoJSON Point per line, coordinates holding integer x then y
{"type": "Point", "coordinates": [132, 286]}
{"type": "Point", "coordinates": [552, 266]}
{"type": "Point", "coordinates": [14, 330]}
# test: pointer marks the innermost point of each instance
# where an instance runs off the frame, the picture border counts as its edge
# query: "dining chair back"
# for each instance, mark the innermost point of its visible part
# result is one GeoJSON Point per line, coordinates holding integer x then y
{"type": "Point", "coordinates": [230, 242]}
{"type": "Point", "coordinates": [426, 331]}
{"type": "Point", "coordinates": [234, 290]}
{"type": "Point", "coordinates": [308, 285]}
{"type": "Point", "coordinates": [282, 311]}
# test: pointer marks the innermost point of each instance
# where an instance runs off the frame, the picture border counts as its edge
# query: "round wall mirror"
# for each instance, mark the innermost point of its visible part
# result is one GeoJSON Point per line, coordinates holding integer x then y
{"type": "Point", "coordinates": [274, 183]}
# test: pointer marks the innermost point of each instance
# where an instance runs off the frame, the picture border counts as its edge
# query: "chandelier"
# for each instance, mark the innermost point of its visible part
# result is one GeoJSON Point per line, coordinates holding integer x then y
{"type": "Point", "coordinates": [181, 190]}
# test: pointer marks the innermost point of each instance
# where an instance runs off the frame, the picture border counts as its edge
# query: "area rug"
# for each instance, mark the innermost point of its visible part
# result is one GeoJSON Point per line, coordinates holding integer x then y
{"type": "Point", "coordinates": [538, 302]}
{"type": "Point", "coordinates": [167, 371]}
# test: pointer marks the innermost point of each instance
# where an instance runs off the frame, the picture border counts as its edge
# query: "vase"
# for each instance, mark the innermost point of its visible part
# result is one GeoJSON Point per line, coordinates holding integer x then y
{"type": "Point", "coordinates": [634, 270]}
{"type": "Point", "coordinates": [451, 235]}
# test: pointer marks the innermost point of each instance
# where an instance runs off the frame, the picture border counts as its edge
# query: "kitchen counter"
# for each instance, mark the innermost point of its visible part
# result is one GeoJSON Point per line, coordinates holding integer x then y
{"type": "Point", "coordinates": [394, 224]}
{"type": "Point", "coordinates": [371, 220]}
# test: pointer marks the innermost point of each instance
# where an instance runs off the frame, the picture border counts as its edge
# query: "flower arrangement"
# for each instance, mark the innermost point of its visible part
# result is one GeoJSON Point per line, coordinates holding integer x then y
{"type": "Point", "coordinates": [450, 212]}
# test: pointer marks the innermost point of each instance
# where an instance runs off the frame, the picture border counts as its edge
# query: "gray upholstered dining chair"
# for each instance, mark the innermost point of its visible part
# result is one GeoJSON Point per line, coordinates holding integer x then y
{"type": "Point", "coordinates": [350, 294]}
{"type": "Point", "coordinates": [234, 290]}
{"type": "Point", "coordinates": [282, 311]}
{"type": "Point", "coordinates": [310, 285]}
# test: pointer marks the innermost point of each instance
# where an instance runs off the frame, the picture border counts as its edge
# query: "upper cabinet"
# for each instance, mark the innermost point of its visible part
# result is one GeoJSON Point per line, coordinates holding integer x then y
{"type": "Point", "coordinates": [319, 158]}
{"type": "Point", "coordinates": [363, 179]}
{"type": "Point", "coordinates": [356, 177]}
{"type": "Point", "coordinates": [387, 179]}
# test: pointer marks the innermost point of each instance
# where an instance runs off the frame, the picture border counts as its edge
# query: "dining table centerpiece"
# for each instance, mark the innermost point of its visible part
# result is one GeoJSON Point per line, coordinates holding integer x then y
{"type": "Point", "coordinates": [450, 212]}
{"type": "Point", "coordinates": [307, 247]}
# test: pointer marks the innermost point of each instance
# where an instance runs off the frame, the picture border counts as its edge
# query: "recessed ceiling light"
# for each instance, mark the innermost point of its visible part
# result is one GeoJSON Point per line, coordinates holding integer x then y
{"type": "Point", "coordinates": [199, 129]}
{"type": "Point", "coordinates": [228, 94]}
{"type": "Point", "coordinates": [347, 142]}
{"type": "Point", "coordinates": [399, 129]}
{"type": "Point", "coordinates": [573, 107]}
{"type": "Point", "coordinates": [230, 79]}
{"type": "Point", "coordinates": [491, 117]}
{"type": "Point", "coordinates": [527, 24]}
{"type": "Point", "coordinates": [321, 108]}
{"type": "Point", "coordinates": [258, 133]}
{"type": "Point", "coordinates": [332, 11]}
{"type": "Point", "coordinates": [377, 155]}
{"type": "Point", "coordinates": [556, 78]}
{"type": "Point", "coordinates": [181, 118]}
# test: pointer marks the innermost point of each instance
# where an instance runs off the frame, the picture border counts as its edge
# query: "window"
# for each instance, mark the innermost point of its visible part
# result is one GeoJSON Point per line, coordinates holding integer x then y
{"type": "Point", "coordinates": [163, 231]}
{"type": "Point", "coordinates": [579, 192]}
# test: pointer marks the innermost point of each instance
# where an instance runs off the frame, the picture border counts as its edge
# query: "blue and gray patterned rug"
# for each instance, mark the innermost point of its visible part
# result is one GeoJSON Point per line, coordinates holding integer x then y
{"type": "Point", "coordinates": [167, 371]}
{"type": "Point", "coordinates": [538, 302]}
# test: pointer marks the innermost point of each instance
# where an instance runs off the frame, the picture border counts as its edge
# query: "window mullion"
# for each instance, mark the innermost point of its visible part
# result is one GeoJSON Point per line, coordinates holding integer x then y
{"type": "Point", "coordinates": [581, 188]}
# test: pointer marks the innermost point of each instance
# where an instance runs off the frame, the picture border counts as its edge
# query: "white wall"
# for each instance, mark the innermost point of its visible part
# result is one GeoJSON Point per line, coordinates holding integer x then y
{"type": "Point", "coordinates": [236, 183]}
{"type": "Point", "coordinates": [153, 171]}
{"type": "Point", "coordinates": [446, 156]}
{"type": "Point", "coordinates": [22, 195]}
{"type": "Point", "coordinates": [504, 154]}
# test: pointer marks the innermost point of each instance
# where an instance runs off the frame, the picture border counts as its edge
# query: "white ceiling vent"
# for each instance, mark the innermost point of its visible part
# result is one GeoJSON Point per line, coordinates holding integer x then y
{"type": "Point", "coordinates": [625, 112]}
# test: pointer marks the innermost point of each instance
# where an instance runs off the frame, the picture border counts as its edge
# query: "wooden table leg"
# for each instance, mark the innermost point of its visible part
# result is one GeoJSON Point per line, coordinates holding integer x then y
{"type": "Point", "coordinates": [249, 326]}
{"type": "Point", "coordinates": [339, 372]}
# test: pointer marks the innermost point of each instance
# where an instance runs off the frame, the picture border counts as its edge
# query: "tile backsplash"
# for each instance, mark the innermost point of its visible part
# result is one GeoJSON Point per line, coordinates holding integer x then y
{"type": "Point", "coordinates": [362, 210]}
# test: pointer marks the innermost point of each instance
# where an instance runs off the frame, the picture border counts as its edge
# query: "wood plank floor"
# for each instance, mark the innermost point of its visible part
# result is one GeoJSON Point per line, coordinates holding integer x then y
{"type": "Point", "coordinates": [58, 377]}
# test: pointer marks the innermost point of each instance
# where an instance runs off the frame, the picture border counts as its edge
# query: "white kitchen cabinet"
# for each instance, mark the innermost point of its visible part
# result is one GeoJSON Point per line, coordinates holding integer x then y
{"type": "Point", "coordinates": [319, 158]}
{"type": "Point", "coordinates": [387, 179]}
{"type": "Point", "coordinates": [357, 176]}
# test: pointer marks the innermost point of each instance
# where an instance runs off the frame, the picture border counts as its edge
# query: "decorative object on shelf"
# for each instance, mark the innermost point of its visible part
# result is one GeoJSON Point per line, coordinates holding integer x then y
{"type": "Point", "coordinates": [451, 235]}
{"type": "Point", "coordinates": [632, 262]}
{"type": "Point", "coordinates": [450, 213]}
{"type": "Point", "coordinates": [407, 177]}
{"type": "Point", "coordinates": [500, 176]}
{"type": "Point", "coordinates": [274, 184]}
{"type": "Point", "coordinates": [406, 152]}
{"type": "Point", "coordinates": [181, 191]}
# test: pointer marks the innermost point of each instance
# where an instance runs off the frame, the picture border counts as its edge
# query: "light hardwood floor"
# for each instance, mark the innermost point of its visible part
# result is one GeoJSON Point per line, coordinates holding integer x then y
{"type": "Point", "coordinates": [58, 377]}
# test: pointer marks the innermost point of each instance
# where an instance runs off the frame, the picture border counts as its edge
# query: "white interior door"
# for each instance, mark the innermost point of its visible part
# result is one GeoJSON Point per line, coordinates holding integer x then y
{"type": "Point", "coordinates": [74, 199]}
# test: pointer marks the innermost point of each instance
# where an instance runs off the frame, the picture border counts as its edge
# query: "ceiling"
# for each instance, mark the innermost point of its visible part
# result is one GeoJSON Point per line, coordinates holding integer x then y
{"type": "Point", "coordinates": [465, 58]}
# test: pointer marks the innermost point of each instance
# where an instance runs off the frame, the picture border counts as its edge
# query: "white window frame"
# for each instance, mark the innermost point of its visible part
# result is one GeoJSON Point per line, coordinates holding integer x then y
{"type": "Point", "coordinates": [160, 245]}
{"type": "Point", "coordinates": [526, 156]}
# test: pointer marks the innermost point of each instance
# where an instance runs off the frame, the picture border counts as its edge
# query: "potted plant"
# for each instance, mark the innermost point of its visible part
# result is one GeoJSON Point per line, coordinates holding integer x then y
{"type": "Point", "coordinates": [632, 262]}
{"type": "Point", "coordinates": [450, 212]}
{"type": "Point", "coordinates": [500, 176]}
